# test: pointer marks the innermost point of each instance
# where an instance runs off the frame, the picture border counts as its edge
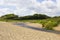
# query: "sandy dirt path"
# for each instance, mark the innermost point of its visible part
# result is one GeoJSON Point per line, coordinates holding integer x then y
{"type": "Point", "coordinates": [57, 28]}
{"type": "Point", "coordinates": [14, 32]}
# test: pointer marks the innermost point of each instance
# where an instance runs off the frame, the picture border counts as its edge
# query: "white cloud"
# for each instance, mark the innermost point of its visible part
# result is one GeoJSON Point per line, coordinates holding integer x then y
{"type": "Point", "coordinates": [1, 2]}
{"type": "Point", "coordinates": [25, 7]}
{"type": "Point", "coordinates": [4, 11]}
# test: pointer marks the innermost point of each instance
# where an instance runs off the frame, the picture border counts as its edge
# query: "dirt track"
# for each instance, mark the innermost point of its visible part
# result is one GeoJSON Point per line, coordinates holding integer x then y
{"type": "Point", "coordinates": [14, 32]}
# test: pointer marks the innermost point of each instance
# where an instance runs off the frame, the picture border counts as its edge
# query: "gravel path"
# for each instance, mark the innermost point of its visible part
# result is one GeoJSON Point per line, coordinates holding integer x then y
{"type": "Point", "coordinates": [14, 32]}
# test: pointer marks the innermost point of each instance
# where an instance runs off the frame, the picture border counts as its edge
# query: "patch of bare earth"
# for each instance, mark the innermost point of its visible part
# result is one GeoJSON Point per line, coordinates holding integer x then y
{"type": "Point", "coordinates": [57, 28]}
{"type": "Point", "coordinates": [14, 32]}
{"type": "Point", "coordinates": [34, 25]}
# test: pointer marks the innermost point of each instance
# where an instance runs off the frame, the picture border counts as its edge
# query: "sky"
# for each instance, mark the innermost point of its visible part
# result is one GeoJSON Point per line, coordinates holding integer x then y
{"type": "Point", "coordinates": [30, 7]}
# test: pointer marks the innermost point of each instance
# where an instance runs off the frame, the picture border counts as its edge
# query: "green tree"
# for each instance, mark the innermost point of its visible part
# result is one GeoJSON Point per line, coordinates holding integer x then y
{"type": "Point", "coordinates": [10, 16]}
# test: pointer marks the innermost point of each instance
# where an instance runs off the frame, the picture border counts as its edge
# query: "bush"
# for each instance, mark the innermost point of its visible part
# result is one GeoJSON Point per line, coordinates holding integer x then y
{"type": "Point", "coordinates": [50, 24]}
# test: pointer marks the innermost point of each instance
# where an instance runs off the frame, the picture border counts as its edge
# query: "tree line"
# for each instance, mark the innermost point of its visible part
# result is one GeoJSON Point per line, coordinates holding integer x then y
{"type": "Point", "coordinates": [29, 17]}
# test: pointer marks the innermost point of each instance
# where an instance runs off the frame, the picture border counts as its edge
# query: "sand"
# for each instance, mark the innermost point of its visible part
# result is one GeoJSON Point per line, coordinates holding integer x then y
{"type": "Point", "coordinates": [9, 31]}
{"type": "Point", "coordinates": [57, 28]}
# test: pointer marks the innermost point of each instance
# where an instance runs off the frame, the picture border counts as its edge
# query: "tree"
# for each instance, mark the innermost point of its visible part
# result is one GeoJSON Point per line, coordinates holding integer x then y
{"type": "Point", "coordinates": [10, 16]}
{"type": "Point", "coordinates": [35, 16]}
{"type": "Point", "coordinates": [40, 16]}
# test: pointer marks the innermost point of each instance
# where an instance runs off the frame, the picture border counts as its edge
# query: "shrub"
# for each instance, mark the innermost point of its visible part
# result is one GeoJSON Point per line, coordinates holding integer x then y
{"type": "Point", "coordinates": [50, 24]}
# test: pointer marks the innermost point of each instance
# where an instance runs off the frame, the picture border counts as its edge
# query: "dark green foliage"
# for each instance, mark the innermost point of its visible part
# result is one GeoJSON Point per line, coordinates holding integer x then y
{"type": "Point", "coordinates": [10, 17]}
{"type": "Point", "coordinates": [31, 17]}
{"type": "Point", "coordinates": [35, 17]}
{"type": "Point", "coordinates": [46, 21]}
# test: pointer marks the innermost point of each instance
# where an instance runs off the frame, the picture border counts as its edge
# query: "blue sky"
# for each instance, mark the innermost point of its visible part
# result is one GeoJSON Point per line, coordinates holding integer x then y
{"type": "Point", "coordinates": [29, 7]}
